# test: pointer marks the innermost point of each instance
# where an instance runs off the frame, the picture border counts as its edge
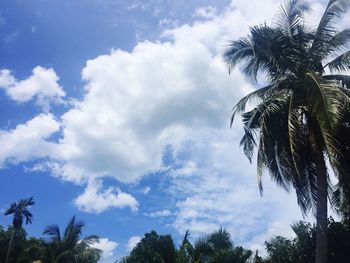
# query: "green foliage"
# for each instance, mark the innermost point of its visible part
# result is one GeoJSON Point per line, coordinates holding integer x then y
{"type": "Point", "coordinates": [213, 248]}
{"type": "Point", "coordinates": [301, 249]}
{"type": "Point", "coordinates": [218, 247]}
{"type": "Point", "coordinates": [153, 248]}
{"type": "Point", "coordinates": [18, 244]}
{"type": "Point", "coordinates": [20, 211]}
{"type": "Point", "coordinates": [71, 247]}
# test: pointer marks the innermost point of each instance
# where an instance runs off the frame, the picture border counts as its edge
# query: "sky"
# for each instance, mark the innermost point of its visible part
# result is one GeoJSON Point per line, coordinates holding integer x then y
{"type": "Point", "coordinates": [117, 111]}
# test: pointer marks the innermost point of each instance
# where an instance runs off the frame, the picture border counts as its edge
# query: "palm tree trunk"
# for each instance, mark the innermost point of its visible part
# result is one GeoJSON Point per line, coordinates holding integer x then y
{"type": "Point", "coordinates": [321, 213]}
{"type": "Point", "coordinates": [8, 250]}
{"type": "Point", "coordinates": [321, 252]}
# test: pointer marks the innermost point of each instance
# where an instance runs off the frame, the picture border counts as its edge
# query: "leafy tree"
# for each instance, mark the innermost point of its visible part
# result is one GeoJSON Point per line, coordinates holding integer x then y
{"type": "Point", "coordinates": [153, 248]}
{"type": "Point", "coordinates": [302, 116]}
{"type": "Point", "coordinates": [301, 249]}
{"type": "Point", "coordinates": [71, 246]}
{"type": "Point", "coordinates": [339, 242]}
{"type": "Point", "coordinates": [281, 250]}
{"type": "Point", "coordinates": [24, 250]}
{"type": "Point", "coordinates": [20, 212]}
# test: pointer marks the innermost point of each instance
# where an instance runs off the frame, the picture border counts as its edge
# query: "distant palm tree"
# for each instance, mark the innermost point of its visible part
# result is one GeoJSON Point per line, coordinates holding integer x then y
{"type": "Point", "coordinates": [71, 246]}
{"type": "Point", "coordinates": [216, 247]}
{"type": "Point", "coordinates": [302, 118]}
{"type": "Point", "coordinates": [20, 212]}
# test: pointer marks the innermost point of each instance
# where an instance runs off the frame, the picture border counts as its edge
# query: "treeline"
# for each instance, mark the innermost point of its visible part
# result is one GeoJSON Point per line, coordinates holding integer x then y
{"type": "Point", "coordinates": [56, 246]}
{"type": "Point", "coordinates": [218, 247]}
{"type": "Point", "coordinates": [70, 246]}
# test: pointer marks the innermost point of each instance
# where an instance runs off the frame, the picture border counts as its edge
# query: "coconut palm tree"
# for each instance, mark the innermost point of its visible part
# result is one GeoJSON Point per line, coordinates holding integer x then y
{"type": "Point", "coordinates": [71, 246]}
{"type": "Point", "coordinates": [20, 212]}
{"type": "Point", "coordinates": [301, 118]}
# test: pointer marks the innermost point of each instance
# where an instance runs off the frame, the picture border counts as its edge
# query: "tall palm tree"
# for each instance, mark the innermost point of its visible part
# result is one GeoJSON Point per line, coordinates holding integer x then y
{"type": "Point", "coordinates": [69, 247]}
{"type": "Point", "coordinates": [20, 212]}
{"type": "Point", "coordinates": [302, 116]}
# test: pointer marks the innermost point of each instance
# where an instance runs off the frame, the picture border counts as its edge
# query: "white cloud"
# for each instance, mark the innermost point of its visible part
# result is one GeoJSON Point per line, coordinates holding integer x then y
{"type": "Point", "coordinates": [41, 86]}
{"type": "Point", "coordinates": [137, 103]}
{"type": "Point", "coordinates": [6, 78]}
{"type": "Point", "coordinates": [187, 169]}
{"type": "Point", "coordinates": [132, 242]}
{"type": "Point", "coordinates": [64, 172]}
{"type": "Point", "coordinates": [169, 23]}
{"type": "Point", "coordinates": [29, 140]}
{"type": "Point", "coordinates": [162, 213]}
{"type": "Point", "coordinates": [208, 12]}
{"type": "Point", "coordinates": [280, 228]}
{"type": "Point", "coordinates": [222, 191]}
{"type": "Point", "coordinates": [106, 246]}
{"type": "Point", "coordinates": [95, 199]}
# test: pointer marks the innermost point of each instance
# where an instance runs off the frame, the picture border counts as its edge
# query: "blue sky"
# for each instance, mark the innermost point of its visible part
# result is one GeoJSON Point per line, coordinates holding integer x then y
{"type": "Point", "coordinates": [117, 111]}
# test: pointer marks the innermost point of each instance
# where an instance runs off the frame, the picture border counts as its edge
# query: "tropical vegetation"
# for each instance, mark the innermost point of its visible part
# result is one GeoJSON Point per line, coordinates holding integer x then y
{"type": "Point", "coordinates": [52, 247]}
{"type": "Point", "coordinates": [300, 121]}
{"type": "Point", "coordinates": [70, 246]}
{"type": "Point", "coordinates": [217, 247]}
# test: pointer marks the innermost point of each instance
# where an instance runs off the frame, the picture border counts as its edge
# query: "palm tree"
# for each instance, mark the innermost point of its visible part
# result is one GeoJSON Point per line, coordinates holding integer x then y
{"type": "Point", "coordinates": [216, 247]}
{"type": "Point", "coordinates": [301, 118]}
{"type": "Point", "coordinates": [71, 247]}
{"type": "Point", "coordinates": [20, 211]}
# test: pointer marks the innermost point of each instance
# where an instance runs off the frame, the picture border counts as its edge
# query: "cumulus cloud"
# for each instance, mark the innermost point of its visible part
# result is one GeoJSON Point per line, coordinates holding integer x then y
{"type": "Point", "coordinates": [95, 199]}
{"type": "Point", "coordinates": [137, 103]}
{"type": "Point", "coordinates": [63, 171]}
{"type": "Point", "coordinates": [176, 92]}
{"type": "Point", "coordinates": [28, 141]}
{"type": "Point", "coordinates": [106, 246]}
{"type": "Point", "coordinates": [42, 86]}
{"type": "Point", "coordinates": [222, 191]}
{"type": "Point", "coordinates": [132, 242]}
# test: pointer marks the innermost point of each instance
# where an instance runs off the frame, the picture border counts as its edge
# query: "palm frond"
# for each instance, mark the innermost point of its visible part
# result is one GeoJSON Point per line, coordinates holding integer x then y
{"type": "Point", "coordinates": [248, 143]}
{"type": "Point", "coordinates": [291, 15]}
{"type": "Point", "coordinates": [262, 50]}
{"type": "Point", "coordinates": [202, 247]}
{"type": "Point", "coordinates": [238, 51]}
{"type": "Point", "coordinates": [258, 94]}
{"type": "Point", "coordinates": [53, 231]}
{"type": "Point", "coordinates": [325, 31]}
{"type": "Point", "coordinates": [89, 240]}
{"type": "Point", "coordinates": [340, 63]}
{"type": "Point", "coordinates": [344, 80]}
{"type": "Point", "coordinates": [11, 209]}
{"type": "Point", "coordinates": [329, 106]}
{"type": "Point", "coordinates": [339, 41]}
{"type": "Point", "coordinates": [269, 118]}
